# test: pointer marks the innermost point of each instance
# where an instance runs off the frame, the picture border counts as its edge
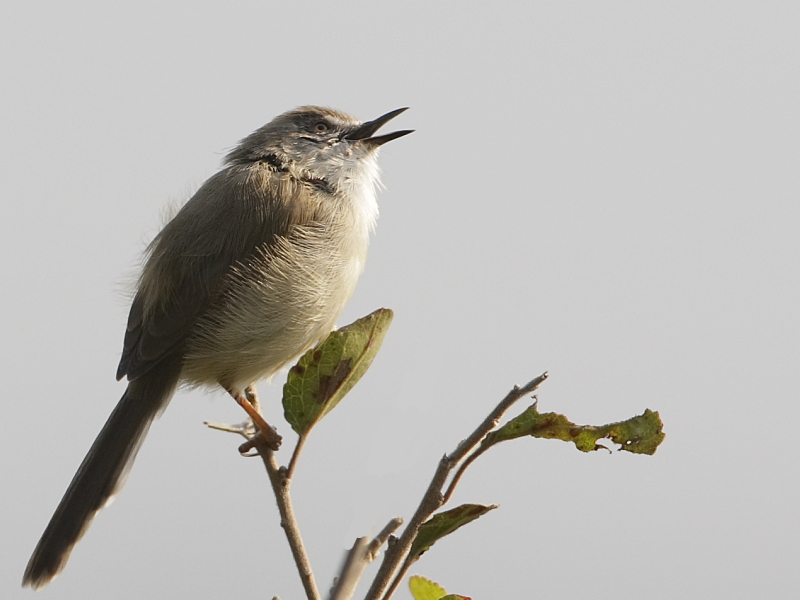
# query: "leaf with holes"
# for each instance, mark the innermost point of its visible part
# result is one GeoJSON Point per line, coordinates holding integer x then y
{"type": "Point", "coordinates": [640, 435]}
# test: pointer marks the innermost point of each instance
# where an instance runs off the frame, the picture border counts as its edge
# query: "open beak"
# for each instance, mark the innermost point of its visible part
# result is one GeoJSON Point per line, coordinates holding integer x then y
{"type": "Point", "coordinates": [364, 131]}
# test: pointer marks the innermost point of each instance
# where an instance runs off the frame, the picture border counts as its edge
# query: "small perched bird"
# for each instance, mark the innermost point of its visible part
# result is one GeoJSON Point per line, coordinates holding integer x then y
{"type": "Point", "coordinates": [251, 272]}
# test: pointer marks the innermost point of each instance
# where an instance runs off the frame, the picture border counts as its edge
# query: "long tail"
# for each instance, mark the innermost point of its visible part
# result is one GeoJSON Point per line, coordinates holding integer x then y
{"type": "Point", "coordinates": [103, 471]}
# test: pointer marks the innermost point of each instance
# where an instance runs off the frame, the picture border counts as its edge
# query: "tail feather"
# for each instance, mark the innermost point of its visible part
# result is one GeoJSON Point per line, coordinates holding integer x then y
{"type": "Point", "coordinates": [103, 471]}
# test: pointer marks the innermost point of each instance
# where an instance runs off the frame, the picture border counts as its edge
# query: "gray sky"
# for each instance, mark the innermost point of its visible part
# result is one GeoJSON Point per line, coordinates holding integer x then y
{"type": "Point", "coordinates": [606, 191]}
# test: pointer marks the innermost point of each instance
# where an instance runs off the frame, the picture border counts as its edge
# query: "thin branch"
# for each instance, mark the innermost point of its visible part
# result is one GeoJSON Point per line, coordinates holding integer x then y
{"type": "Point", "coordinates": [433, 499]}
{"type": "Point", "coordinates": [383, 537]}
{"type": "Point", "coordinates": [461, 470]}
{"type": "Point", "coordinates": [354, 566]}
{"type": "Point", "coordinates": [279, 480]}
{"type": "Point", "coordinates": [363, 552]}
{"type": "Point", "coordinates": [401, 573]}
{"type": "Point", "coordinates": [280, 487]}
{"type": "Point", "coordinates": [245, 429]}
{"type": "Point", "coordinates": [295, 455]}
{"type": "Point", "coordinates": [492, 420]}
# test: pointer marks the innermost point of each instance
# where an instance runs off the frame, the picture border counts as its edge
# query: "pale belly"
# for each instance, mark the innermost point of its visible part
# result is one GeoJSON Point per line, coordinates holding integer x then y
{"type": "Point", "coordinates": [276, 309]}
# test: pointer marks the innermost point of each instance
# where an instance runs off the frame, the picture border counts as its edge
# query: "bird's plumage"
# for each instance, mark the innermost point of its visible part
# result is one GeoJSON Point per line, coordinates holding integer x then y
{"type": "Point", "coordinates": [251, 272]}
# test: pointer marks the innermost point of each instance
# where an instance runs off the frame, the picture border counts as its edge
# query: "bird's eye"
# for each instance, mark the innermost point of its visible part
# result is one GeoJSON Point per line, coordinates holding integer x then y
{"type": "Point", "coordinates": [321, 127]}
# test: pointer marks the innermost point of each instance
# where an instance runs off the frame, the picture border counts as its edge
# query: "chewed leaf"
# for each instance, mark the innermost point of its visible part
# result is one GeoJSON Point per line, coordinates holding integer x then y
{"type": "Point", "coordinates": [443, 524]}
{"type": "Point", "coordinates": [324, 374]}
{"type": "Point", "coordinates": [425, 589]}
{"type": "Point", "coordinates": [640, 435]}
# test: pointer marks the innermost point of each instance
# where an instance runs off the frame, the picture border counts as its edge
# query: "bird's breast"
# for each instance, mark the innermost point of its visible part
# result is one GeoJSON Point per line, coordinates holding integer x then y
{"type": "Point", "coordinates": [284, 300]}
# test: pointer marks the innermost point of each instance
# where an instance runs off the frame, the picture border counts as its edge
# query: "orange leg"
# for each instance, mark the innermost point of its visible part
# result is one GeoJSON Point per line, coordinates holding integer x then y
{"type": "Point", "coordinates": [266, 435]}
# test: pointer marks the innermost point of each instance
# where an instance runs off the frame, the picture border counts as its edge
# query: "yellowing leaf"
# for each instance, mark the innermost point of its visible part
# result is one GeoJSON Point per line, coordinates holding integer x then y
{"type": "Point", "coordinates": [640, 435]}
{"type": "Point", "coordinates": [425, 589]}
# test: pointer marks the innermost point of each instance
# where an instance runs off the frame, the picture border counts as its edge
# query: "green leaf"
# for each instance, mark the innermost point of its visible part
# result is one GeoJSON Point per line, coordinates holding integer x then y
{"type": "Point", "coordinates": [324, 374]}
{"type": "Point", "coordinates": [640, 435]}
{"type": "Point", "coordinates": [425, 589]}
{"type": "Point", "coordinates": [443, 524]}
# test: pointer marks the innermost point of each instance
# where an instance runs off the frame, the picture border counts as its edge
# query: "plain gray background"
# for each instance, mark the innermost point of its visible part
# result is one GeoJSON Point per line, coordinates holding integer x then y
{"type": "Point", "coordinates": [607, 191]}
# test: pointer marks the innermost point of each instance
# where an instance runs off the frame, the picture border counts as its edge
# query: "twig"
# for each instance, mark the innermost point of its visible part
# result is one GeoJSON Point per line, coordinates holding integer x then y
{"type": "Point", "coordinates": [245, 429]}
{"type": "Point", "coordinates": [433, 499]}
{"type": "Point", "coordinates": [280, 484]}
{"type": "Point", "coordinates": [383, 537]}
{"type": "Point", "coordinates": [491, 421]}
{"type": "Point", "coordinates": [363, 552]}
{"type": "Point", "coordinates": [301, 442]}
{"type": "Point", "coordinates": [401, 573]}
{"type": "Point", "coordinates": [354, 566]}
{"type": "Point", "coordinates": [280, 487]}
{"type": "Point", "coordinates": [462, 469]}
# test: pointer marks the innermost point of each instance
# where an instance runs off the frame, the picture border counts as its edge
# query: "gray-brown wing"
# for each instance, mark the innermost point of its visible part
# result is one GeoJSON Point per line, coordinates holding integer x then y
{"type": "Point", "coordinates": [148, 340]}
{"type": "Point", "coordinates": [240, 209]}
